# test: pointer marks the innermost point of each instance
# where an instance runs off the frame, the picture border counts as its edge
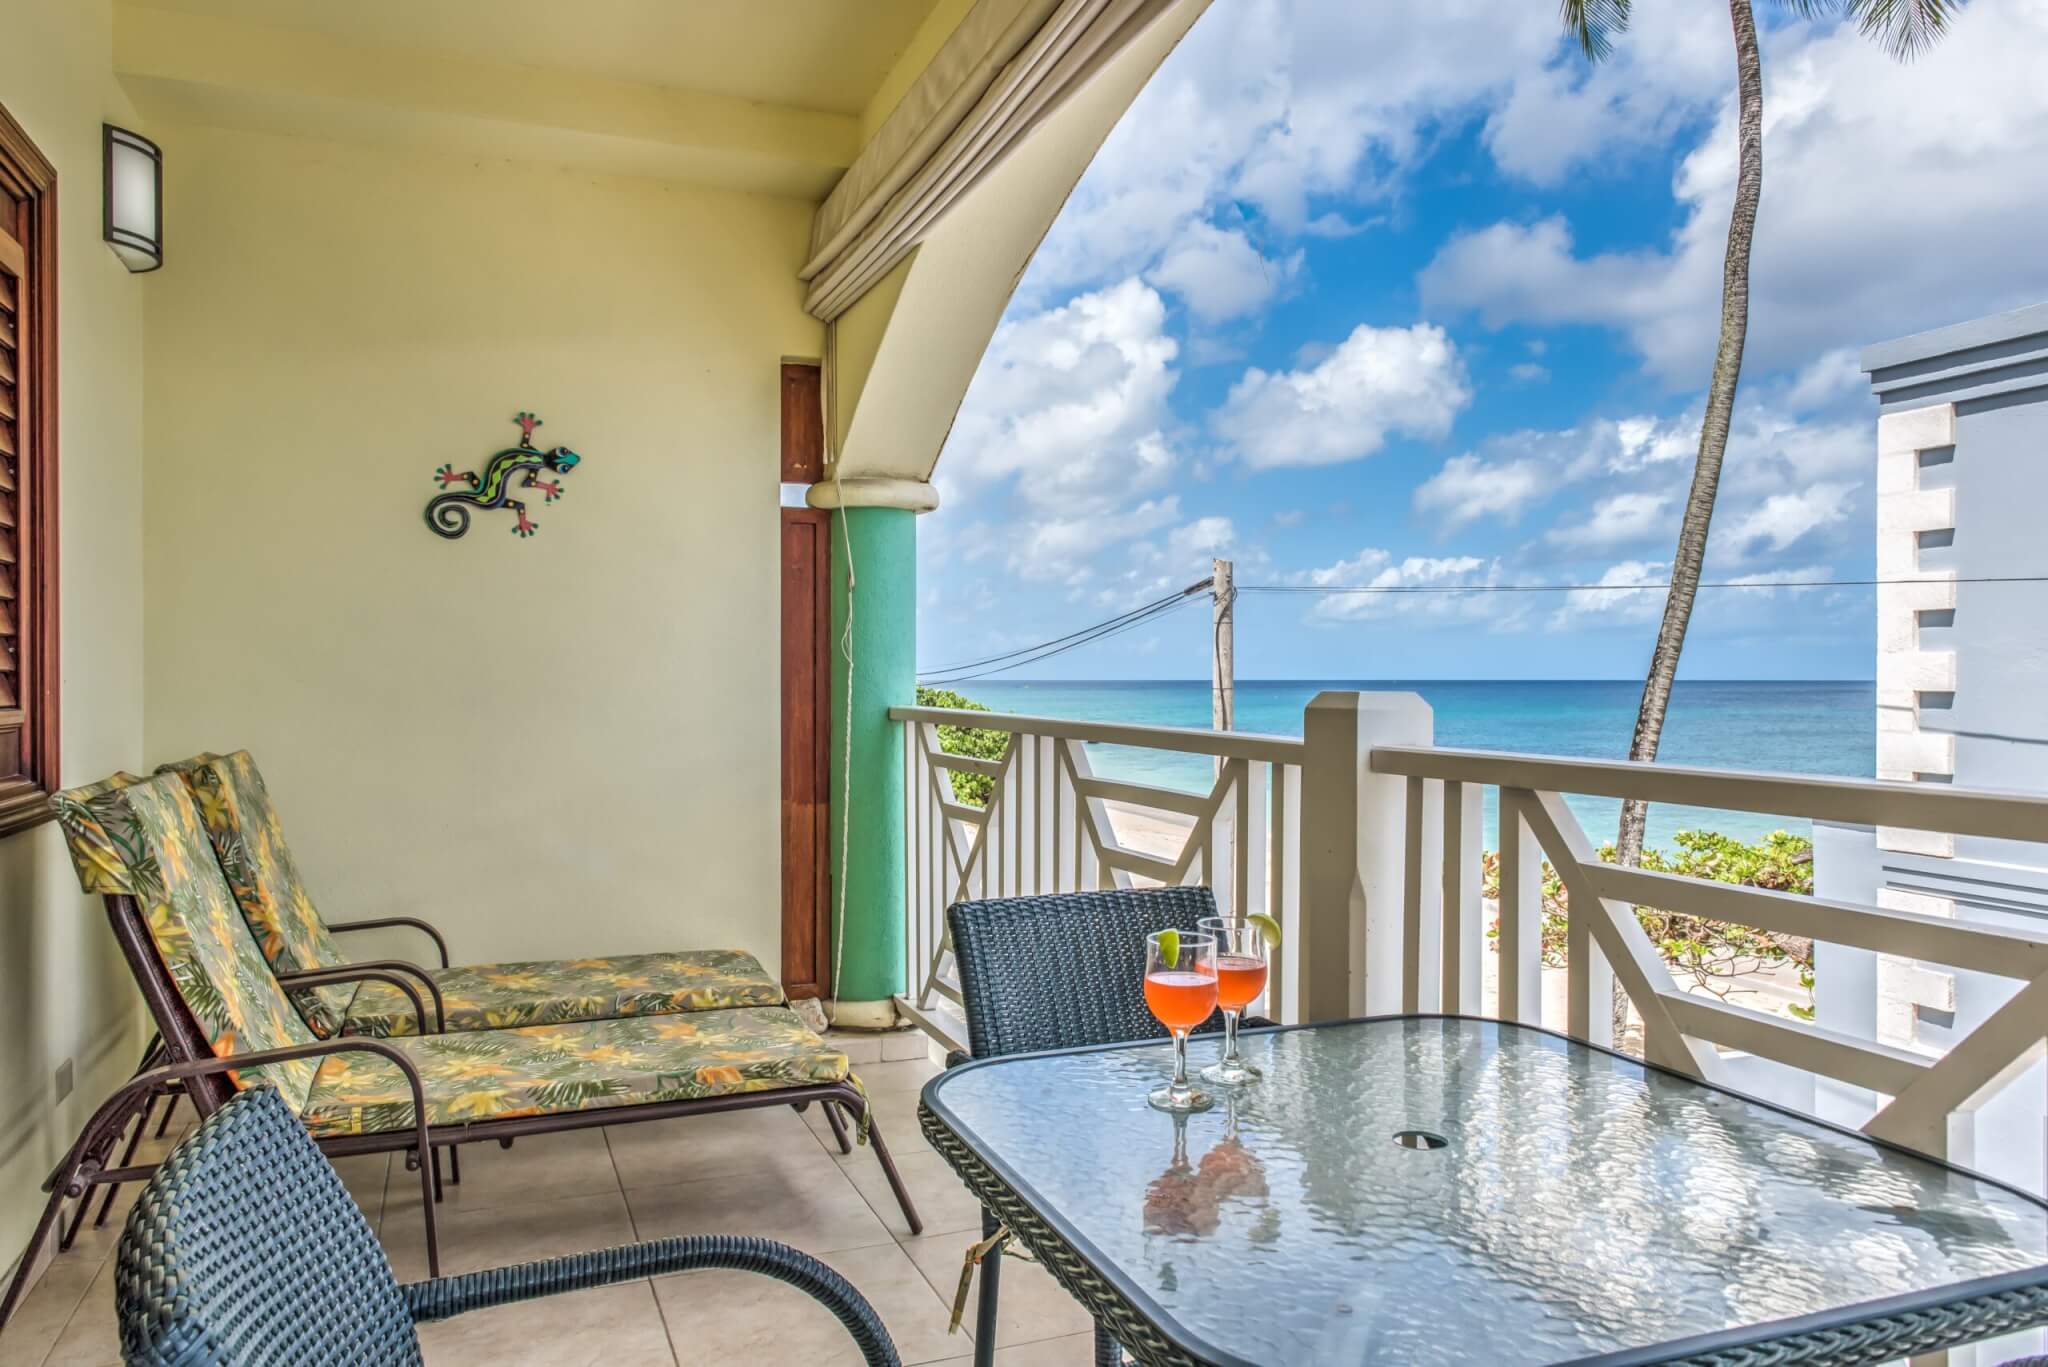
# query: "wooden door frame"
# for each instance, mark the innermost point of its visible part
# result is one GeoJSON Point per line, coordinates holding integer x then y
{"type": "Point", "coordinates": [804, 549]}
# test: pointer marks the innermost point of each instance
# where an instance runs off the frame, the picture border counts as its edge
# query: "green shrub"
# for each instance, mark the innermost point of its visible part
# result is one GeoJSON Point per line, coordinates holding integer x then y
{"type": "Point", "coordinates": [1713, 953]}
{"type": "Point", "coordinates": [973, 789]}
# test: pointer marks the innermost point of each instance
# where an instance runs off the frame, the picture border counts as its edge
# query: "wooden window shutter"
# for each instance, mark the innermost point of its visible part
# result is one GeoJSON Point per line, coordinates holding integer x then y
{"type": "Point", "coordinates": [28, 484]}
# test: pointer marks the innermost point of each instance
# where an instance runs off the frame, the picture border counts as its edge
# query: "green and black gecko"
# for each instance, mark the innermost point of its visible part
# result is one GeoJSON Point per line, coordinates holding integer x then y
{"type": "Point", "coordinates": [448, 515]}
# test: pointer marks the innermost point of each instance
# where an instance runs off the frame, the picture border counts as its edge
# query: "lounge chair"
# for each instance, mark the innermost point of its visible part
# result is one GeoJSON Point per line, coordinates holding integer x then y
{"type": "Point", "coordinates": [138, 843]}
{"type": "Point", "coordinates": [246, 1248]}
{"type": "Point", "coordinates": [247, 838]}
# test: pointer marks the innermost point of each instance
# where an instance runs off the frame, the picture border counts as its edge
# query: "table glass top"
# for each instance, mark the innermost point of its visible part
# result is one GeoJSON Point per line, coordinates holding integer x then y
{"type": "Point", "coordinates": [1581, 1205]}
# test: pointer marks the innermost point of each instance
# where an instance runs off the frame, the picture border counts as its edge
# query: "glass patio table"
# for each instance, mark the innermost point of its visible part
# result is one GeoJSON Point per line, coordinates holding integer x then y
{"type": "Point", "coordinates": [1432, 1190]}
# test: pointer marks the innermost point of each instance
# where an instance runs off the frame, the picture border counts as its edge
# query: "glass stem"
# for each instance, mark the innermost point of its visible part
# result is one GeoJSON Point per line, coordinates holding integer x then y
{"type": "Point", "coordinates": [1230, 1037]}
{"type": "Point", "coordinates": [1180, 1060]}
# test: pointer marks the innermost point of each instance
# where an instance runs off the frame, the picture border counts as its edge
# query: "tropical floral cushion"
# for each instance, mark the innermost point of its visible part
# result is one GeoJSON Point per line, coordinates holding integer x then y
{"type": "Point", "coordinates": [548, 1069]}
{"type": "Point", "coordinates": [553, 992]}
{"type": "Point", "coordinates": [143, 837]}
{"type": "Point", "coordinates": [249, 842]}
{"type": "Point", "coordinates": [103, 855]}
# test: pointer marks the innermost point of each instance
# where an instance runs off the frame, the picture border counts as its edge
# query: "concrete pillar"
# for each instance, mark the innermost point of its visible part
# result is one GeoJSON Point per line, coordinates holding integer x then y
{"type": "Point", "coordinates": [877, 524]}
{"type": "Point", "coordinates": [1353, 851]}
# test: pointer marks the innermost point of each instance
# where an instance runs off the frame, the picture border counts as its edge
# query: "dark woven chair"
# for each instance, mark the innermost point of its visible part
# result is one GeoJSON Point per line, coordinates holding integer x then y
{"type": "Point", "coordinates": [245, 1248]}
{"type": "Point", "coordinates": [1062, 972]}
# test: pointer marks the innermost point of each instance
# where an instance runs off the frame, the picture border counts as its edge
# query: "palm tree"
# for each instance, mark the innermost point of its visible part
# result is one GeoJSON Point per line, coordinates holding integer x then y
{"type": "Point", "coordinates": [1905, 28]}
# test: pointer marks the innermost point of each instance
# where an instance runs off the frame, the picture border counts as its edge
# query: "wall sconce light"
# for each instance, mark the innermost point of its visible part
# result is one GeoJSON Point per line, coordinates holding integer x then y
{"type": "Point", "coordinates": [134, 215]}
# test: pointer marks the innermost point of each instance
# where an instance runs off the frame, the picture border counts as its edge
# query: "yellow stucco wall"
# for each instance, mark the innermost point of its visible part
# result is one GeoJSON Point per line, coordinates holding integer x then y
{"type": "Point", "coordinates": [63, 991]}
{"type": "Point", "coordinates": [552, 747]}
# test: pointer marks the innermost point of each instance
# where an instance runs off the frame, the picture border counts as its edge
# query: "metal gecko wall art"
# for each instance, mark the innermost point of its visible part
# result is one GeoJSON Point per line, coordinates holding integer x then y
{"type": "Point", "coordinates": [449, 513]}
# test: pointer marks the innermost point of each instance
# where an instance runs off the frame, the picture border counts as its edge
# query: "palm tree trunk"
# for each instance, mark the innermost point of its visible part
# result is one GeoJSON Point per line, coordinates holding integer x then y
{"type": "Point", "coordinates": [1691, 555]}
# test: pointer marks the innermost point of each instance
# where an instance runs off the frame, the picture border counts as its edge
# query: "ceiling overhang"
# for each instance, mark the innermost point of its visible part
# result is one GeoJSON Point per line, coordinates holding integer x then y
{"type": "Point", "coordinates": [208, 70]}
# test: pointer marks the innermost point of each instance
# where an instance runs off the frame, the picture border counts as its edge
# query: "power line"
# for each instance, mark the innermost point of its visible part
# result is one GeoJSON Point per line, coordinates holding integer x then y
{"type": "Point", "coordinates": [1047, 650]}
{"type": "Point", "coordinates": [1633, 588]}
{"type": "Point", "coordinates": [1141, 609]}
{"type": "Point", "coordinates": [1117, 628]}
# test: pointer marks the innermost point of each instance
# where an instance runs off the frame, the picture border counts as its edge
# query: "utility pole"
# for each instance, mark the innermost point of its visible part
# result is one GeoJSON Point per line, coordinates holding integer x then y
{"type": "Point", "coordinates": [1222, 660]}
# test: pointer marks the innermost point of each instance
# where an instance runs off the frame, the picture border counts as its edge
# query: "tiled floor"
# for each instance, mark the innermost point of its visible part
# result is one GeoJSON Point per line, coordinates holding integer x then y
{"type": "Point", "coordinates": [769, 1172]}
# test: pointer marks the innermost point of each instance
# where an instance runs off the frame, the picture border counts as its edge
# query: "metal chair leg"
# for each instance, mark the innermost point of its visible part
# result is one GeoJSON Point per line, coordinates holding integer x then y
{"type": "Point", "coordinates": [991, 1286]}
{"type": "Point", "coordinates": [454, 1165]}
{"type": "Point", "coordinates": [19, 1282]}
{"type": "Point", "coordinates": [164, 1125]}
{"type": "Point", "coordinates": [881, 1148]}
{"type": "Point", "coordinates": [838, 1128]}
{"type": "Point", "coordinates": [127, 1156]}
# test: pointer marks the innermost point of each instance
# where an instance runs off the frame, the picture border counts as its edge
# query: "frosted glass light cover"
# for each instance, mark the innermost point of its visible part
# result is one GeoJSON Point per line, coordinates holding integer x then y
{"type": "Point", "coordinates": [134, 193]}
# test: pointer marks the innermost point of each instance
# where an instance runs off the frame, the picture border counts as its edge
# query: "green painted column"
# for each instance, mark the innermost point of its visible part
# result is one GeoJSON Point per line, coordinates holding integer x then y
{"type": "Point", "coordinates": [867, 830]}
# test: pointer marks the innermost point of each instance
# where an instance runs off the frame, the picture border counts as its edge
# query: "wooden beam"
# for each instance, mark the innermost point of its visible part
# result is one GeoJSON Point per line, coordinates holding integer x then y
{"type": "Point", "coordinates": [2008, 952]}
{"type": "Point", "coordinates": [1860, 1063]}
{"type": "Point", "coordinates": [1634, 959]}
{"type": "Point", "coordinates": [803, 424]}
{"type": "Point", "coordinates": [1871, 802]}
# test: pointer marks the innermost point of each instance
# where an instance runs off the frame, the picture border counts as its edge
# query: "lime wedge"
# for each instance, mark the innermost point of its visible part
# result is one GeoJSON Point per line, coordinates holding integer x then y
{"type": "Point", "coordinates": [1169, 948]}
{"type": "Point", "coordinates": [1268, 927]}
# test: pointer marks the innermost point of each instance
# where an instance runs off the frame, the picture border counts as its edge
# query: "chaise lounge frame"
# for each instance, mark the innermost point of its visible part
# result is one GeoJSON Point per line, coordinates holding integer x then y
{"type": "Point", "coordinates": [203, 1079]}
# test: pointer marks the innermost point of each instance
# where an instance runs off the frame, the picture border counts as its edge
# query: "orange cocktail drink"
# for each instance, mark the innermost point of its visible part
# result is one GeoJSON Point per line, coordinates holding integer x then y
{"type": "Point", "coordinates": [1241, 971]}
{"type": "Point", "coordinates": [1182, 1001]}
{"type": "Point", "coordinates": [1239, 980]}
{"type": "Point", "coordinates": [1180, 989]}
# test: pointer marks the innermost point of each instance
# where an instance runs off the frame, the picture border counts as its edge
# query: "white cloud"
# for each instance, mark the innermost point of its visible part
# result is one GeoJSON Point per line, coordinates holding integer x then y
{"type": "Point", "coordinates": [1204, 537]}
{"type": "Point", "coordinates": [1058, 548]}
{"type": "Point", "coordinates": [1280, 106]}
{"type": "Point", "coordinates": [1771, 583]}
{"type": "Point", "coordinates": [1219, 274]}
{"type": "Point", "coordinates": [1070, 404]}
{"type": "Point", "coordinates": [1515, 471]}
{"type": "Point", "coordinates": [1528, 372]}
{"type": "Point", "coordinates": [1890, 204]}
{"type": "Point", "coordinates": [1615, 521]}
{"type": "Point", "coordinates": [1782, 519]}
{"type": "Point", "coordinates": [1644, 442]}
{"type": "Point", "coordinates": [1468, 489]}
{"type": "Point", "coordinates": [1615, 600]}
{"type": "Point", "coordinates": [1789, 482]}
{"type": "Point", "coordinates": [1073, 399]}
{"type": "Point", "coordinates": [1827, 380]}
{"type": "Point", "coordinates": [1376, 568]}
{"type": "Point", "coordinates": [1379, 381]}
{"type": "Point", "coordinates": [1673, 62]}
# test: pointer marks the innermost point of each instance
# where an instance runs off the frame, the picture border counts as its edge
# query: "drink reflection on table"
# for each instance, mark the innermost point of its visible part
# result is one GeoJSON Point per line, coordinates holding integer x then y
{"type": "Point", "coordinates": [1187, 1200]}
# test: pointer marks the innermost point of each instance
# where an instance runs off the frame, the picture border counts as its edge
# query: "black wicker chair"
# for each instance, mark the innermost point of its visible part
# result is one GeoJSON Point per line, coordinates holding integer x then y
{"type": "Point", "coordinates": [245, 1248]}
{"type": "Point", "coordinates": [1061, 972]}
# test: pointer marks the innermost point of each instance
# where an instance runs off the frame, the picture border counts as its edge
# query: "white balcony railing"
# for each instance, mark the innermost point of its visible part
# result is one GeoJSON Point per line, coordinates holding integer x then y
{"type": "Point", "coordinates": [1364, 839]}
{"type": "Point", "coordinates": [1915, 1094]}
{"type": "Point", "coordinates": [1051, 824]}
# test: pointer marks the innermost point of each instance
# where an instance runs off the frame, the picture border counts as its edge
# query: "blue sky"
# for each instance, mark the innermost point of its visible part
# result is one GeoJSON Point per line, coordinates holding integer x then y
{"type": "Point", "coordinates": [1385, 295]}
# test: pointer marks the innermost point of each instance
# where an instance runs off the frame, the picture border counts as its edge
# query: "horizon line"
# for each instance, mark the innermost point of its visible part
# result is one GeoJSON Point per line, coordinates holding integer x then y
{"type": "Point", "coordinates": [1207, 683]}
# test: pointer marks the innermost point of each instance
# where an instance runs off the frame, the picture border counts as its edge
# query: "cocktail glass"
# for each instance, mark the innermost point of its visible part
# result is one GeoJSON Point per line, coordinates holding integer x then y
{"type": "Point", "coordinates": [1240, 978]}
{"type": "Point", "coordinates": [1180, 987]}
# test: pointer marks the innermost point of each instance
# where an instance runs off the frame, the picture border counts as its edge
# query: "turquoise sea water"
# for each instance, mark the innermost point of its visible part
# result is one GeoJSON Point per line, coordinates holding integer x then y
{"type": "Point", "coordinates": [1788, 727]}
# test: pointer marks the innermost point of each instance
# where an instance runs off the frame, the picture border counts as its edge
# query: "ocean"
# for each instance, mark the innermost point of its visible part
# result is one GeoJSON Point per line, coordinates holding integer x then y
{"type": "Point", "coordinates": [1824, 728]}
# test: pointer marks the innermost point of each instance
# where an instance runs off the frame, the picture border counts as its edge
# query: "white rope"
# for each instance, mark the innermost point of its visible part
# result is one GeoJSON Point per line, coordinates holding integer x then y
{"type": "Point", "coordinates": [831, 420]}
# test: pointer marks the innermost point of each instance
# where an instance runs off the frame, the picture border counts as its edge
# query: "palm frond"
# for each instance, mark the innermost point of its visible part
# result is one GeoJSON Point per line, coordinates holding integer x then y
{"type": "Point", "coordinates": [1903, 28]}
{"type": "Point", "coordinates": [1594, 23]}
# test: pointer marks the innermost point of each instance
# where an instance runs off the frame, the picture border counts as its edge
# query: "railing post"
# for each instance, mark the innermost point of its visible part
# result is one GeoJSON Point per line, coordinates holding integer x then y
{"type": "Point", "coordinates": [1353, 846]}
